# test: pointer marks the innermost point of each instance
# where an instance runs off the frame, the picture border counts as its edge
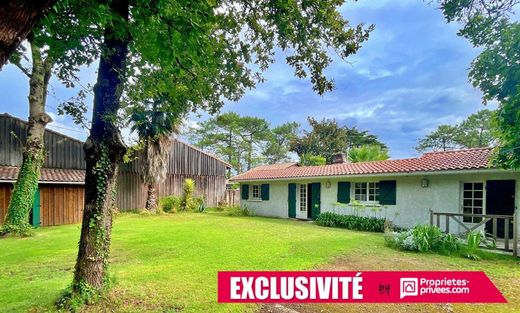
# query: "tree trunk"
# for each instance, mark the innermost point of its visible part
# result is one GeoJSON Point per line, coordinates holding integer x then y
{"type": "Point", "coordinates": [250, 154]}
{"type": "Point", "coordinates": [151, 198]}
{"type": "Point", "coordinates": [22, 199]}
{"type": "Point", "coordinates": [17, 19]}
{"type": "Point", "coordinates": [104, 149]}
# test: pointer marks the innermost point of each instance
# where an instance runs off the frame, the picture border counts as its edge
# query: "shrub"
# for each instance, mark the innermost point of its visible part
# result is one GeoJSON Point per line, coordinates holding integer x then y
{"type": "Point", "coordinates": [424, 238]}
{"type": "Point", "coordinates": [170, 204]}
{"type": "Point", "coordinates": [188, 203]}
{"type": "Point", "coordinates": [199, 204]}
{"type": "Point", "coordinates": [473, 240]}
{"type": "Point", "coordinates": [361, 223]}
{"type": "Point", "coordinates": [238, 211]}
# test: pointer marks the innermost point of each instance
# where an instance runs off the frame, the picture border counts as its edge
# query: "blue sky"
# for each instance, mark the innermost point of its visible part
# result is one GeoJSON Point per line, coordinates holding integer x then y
{"type": "Point", "coordinates": [410, 77]}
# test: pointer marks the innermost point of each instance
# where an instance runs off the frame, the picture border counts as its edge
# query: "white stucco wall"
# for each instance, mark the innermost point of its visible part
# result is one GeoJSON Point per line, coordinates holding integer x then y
{"type": "Point", "coordinates": [413, 203]}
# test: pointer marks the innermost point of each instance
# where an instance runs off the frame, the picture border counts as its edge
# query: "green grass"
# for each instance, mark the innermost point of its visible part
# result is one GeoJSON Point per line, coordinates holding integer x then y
{"type": "Point", "coordinates": [169, 263]}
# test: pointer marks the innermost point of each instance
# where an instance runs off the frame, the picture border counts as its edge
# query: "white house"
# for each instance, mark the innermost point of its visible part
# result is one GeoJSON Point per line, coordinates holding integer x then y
{"type": "Point", "coordinates": [404, 191]}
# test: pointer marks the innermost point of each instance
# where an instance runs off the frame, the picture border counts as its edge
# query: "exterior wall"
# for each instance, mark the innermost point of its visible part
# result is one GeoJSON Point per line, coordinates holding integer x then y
{"type": "Point", "coordinates": [5, 196]}
{"type": "Point", "coordinates": [131, 192]}
{"type": "Point", "coordinates": [59, 204]}
{"type": "Point", "coordinates": [60, 151]}
{"type": "Point", "coordinates": [413, 202]}
{"type": "Point", "coordinates": [184, 162]}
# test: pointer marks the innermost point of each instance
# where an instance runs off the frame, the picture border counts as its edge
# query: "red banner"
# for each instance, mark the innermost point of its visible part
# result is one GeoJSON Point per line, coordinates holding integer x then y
{"type": "Point", "coordinates": [357, 287]}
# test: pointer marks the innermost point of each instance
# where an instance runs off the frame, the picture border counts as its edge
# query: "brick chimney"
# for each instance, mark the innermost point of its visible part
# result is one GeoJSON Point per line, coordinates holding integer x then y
{"type": "Point", "coordinates": [339, 158]}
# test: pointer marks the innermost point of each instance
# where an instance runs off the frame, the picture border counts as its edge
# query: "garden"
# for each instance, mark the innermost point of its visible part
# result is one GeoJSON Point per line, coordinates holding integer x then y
{"type": "Point", "coordinates": [169, 262]}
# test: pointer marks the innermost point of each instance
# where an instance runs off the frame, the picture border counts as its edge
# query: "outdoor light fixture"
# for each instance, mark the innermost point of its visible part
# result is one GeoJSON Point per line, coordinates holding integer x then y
{"type": "Point", "coordinates": [327, 184]}
{"type": "Point", "coordinates": [425, 183]}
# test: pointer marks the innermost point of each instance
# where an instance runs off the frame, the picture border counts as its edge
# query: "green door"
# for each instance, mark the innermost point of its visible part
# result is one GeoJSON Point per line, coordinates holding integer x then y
{"type": "Point", "coordinates": [315, 200]}
{"type": "Point", "coordinates": [35, 216]}
{"type": "Point", "coordinates": [292, 200]}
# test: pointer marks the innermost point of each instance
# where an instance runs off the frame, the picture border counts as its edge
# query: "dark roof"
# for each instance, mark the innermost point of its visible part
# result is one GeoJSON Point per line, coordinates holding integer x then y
{"type": "Point", "coordinates": [468, 159]}
{"type": "Point", "coordinates": [48, 175]}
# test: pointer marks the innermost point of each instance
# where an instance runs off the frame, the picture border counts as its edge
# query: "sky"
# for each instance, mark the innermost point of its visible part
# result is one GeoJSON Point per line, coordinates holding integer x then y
{"type": "Point", "coordinates": [408, 78]}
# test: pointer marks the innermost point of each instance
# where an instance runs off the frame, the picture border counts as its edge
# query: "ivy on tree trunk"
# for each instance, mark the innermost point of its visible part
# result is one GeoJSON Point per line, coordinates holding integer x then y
{"type": "Point", "coordinates": [17, 220]}
{"type": "Point", "coordinates": [104, 150]}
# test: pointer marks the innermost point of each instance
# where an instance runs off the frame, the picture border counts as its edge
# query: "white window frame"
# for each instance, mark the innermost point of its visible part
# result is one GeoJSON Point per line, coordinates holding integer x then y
{"type": "Point", "coordinates": [303, 187]}
{"type": "Point", "coordinates": [258, 191]}
{"type": "Point", "coordinates": [368, 186]}
{"type": "Point", "coordinates": [473, 220]}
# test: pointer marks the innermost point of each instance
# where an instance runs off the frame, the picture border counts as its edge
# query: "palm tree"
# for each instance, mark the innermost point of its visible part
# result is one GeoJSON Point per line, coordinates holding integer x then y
{"type": "Point", "coordinates": [367, 153]}
{"type": "Point", "coordinates": [156, 129]}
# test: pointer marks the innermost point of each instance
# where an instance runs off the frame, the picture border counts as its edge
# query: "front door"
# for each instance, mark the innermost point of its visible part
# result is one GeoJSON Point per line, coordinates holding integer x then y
{"type": "Point", "coordinates": [500, 200]}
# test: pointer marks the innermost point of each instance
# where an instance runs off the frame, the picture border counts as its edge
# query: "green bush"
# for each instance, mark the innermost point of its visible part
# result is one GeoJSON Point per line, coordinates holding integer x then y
{"type": "Point", "coordinates": [473, 241]}
{"type": "Point", "coordinates": [238, 211]}
{"type": "Point", "coordinates": [188, 202]}
{"type": "Point", "coordinates": [424, 238]}
{"type": "Point", "coordinates": [170, 204]}
{"type": "Point", "coordinates": [199, 204]}
{"type": "Point", "coordinates": [361, 223]}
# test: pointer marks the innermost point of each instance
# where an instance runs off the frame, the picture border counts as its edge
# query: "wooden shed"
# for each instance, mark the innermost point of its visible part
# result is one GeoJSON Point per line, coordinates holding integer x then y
{"type": "Point", "coordinates": [61, 190]}
{"type": "Point", "coordinates": [186, 161]}
{"type": "Point", "coordinates": [59, 199]}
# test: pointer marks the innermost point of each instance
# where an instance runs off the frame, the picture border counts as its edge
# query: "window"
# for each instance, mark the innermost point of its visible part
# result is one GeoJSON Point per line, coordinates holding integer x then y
{"type": "Point", "coordinates": [303, 198]}
{"type": "Point", "coordinates": [366, 192]}
{"type": "Point", "coordinates": [255, 192]}
{"type": "Point", "coordinates": [473, 201]}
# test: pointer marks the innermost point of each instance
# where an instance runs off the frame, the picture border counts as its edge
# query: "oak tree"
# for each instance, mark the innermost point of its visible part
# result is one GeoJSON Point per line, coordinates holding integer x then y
{"type": "Point", "coordinates": [197, 54]}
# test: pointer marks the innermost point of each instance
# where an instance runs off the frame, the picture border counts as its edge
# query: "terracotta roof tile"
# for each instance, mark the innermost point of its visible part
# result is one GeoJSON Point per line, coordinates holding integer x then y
{"type": "Point", "coordinates": [48, 175]}
{"type": "Point", "coordinates": [429, 162]}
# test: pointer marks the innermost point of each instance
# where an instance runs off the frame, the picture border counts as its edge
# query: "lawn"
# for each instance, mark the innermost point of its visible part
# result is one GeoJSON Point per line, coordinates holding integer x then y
{"type": "Point", "coordinates": [169, 263]}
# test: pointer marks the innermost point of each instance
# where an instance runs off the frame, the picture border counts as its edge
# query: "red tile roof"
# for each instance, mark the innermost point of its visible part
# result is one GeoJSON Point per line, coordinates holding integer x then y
{"type": "Point", "coordinates": [469, 159]}
{"type": "Point", "coordinates": [48, 175]}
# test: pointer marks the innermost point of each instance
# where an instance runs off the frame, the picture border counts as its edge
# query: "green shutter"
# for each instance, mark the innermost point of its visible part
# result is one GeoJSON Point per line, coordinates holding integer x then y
{"type": "Point", "coordinates": [344, 192]}
{"type": "Point", "coordinates": [265, 191]}
{"type": "Point", "coordinates": [315, 200]}
{"type": "Point", "coordinates": [387, 192]}
{"type": "Point", "coordinates": [35, 216]}
{"type": "Point", "coordinates": [292, 200]}
{"type": "Point", "coordinates": [245, 191]}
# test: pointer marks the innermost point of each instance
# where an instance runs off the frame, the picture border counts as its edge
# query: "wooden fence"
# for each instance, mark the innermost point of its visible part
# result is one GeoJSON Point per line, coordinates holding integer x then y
{"type": "Point", "coordinates": [509, 221]}
{"type": "Point", "coordinates": [232, 197]}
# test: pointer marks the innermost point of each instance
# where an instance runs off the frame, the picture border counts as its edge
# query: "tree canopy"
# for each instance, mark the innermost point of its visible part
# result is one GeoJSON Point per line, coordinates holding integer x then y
{"type": "Point", "coordinates": [367, 153]}
{"type": "Point", "coordinates": [473, 132]}
{"type": "Point", "coordinates": [326, 138]}
{"type": "Point", "coordinates": [193, 54]}
{"type": "Point", "coordinates": [496, 70]}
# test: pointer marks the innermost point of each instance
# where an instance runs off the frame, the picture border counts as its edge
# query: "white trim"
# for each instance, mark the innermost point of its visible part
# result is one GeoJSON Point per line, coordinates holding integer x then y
{"type": "Point", "coordinates": [422, 173]}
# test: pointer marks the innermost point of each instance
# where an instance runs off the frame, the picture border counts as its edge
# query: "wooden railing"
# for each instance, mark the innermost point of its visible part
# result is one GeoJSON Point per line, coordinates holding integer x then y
{"type": "Point", "coordinates": [509, 221]}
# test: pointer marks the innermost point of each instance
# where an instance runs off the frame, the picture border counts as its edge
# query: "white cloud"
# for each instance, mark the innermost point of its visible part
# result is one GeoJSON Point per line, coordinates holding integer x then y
{"type": "Point", "coordinates": [363, 112]}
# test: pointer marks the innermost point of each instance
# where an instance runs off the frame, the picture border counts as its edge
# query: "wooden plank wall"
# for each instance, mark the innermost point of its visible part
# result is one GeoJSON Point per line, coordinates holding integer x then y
{"type": "Point", "coordinates": [232, 197]}
{"type": "Point", "coordinates": [61, 151]}
{"type": "Point", "coordinates": [5, 196]}
{"type": "Point", "coordinates": [131, 192]}
{"type": "Point", "coordinates": [59, 204]}
{"type": "Point", "coordinates": [185, 161]}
